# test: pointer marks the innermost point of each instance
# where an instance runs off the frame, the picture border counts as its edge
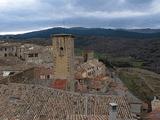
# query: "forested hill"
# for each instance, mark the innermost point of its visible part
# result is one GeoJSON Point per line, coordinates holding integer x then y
{"type": "Point", "coordinates": [78, 31]}
{"type": "Point", "coordinates": [138, 48]}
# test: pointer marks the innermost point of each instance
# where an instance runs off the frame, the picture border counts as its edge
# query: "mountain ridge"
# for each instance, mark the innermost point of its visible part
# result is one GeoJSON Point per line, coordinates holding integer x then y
{"type": "Point", "coordinates": [80, 31]}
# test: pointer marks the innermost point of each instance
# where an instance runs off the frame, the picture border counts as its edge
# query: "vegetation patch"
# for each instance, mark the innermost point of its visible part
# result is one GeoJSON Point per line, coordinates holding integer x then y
{"type": "Point", "coordinates": [142, 83]}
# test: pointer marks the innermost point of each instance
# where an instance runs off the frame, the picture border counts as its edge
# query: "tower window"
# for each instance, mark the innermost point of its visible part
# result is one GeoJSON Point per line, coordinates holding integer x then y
{"type": "Point", "coordinates": [61, 51]}
{"type": "Point", "coordinates": [61, 48]}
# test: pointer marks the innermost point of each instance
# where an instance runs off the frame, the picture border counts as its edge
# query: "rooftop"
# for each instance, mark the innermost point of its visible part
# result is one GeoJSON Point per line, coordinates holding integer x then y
{"type": "Point", "coordinates": [21, 101]}
{"type": "Point", "coordinates": [87, 117]}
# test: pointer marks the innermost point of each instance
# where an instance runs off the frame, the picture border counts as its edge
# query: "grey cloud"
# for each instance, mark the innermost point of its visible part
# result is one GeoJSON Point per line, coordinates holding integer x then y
{"type": "Point", "coordinates": [142, 22]}
{"type": "Point", "coordinates": [112, 5]}
{"type": "Point", "coordinates": [48, 13]}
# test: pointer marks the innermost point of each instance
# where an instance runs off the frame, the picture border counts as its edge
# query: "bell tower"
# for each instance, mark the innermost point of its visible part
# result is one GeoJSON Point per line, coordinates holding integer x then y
{"type": "Point", "coordinates": [63, 58]}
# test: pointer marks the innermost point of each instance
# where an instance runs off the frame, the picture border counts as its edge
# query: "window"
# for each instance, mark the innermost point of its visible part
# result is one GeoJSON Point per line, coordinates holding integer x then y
{"type": "Point", "coordinates": [30, 55]}
{"type": "Point", "coordinates": [68, 68]}
{"type": "Point", "coordinates": [61, 51]}
{"type": "Point", "coordinates": [61, 48]}
{"type": "Point", "coordinates": [89, 73]}
{"type": "Point", "coordinates": [42, 77]}
{"type": "Point", "coordinates": [36, 54]}
{"type": "Point", "coordinates": [48, 76]}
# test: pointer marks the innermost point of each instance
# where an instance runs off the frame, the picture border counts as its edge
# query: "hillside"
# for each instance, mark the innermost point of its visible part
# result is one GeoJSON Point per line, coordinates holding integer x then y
{"type": "Point", "coordinates": [142, 83]}
{"type": "Point", "coordinates": [113, 43]}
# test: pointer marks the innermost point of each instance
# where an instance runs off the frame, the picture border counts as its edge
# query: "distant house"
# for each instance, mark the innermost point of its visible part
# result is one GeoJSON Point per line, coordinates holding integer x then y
{"type": "Point", "coordinates": [155, 104]}
{"type": "Point", "coordinates": [30, 53]}
{"type": "Point", "coordinates": [91, 69]}
{"type": "Point", "coordinates": [90, 75]}
{"type": "Point", "coordinates": [8, 49]}
{"type": "Point", "coordinates": [33, 75]}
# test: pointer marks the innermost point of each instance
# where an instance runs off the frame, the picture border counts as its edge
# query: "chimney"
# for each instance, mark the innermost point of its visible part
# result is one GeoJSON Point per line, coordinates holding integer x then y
{"type": "Point", "coordinates": [155, 98]}
{"type": "Point", "coordinates": [113, 111]}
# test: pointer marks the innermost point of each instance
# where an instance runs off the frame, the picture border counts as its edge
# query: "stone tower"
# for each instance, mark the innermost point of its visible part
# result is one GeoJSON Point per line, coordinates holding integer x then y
{"type": "Point", "coordinates": [63, 58]}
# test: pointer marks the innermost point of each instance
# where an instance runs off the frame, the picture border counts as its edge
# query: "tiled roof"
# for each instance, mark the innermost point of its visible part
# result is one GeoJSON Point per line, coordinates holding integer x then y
{"type": "Point", "coordinates": [32, 102]}
{"type": "Point", "coordinates": [87, 117]}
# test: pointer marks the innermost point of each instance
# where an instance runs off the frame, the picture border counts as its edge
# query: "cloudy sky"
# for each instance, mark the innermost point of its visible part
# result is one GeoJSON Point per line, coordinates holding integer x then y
{"type": "Point", "coordinates": [26, 15]}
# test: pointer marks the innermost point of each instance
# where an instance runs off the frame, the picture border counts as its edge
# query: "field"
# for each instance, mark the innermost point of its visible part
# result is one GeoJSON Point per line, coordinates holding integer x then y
{"type": "Point", "coordinates": [142, 83]}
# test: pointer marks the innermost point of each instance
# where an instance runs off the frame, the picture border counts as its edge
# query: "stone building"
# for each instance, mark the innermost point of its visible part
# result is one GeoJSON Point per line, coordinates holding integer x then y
{"type": "Point", "coordinates": [155, 113]}
{"type": "Point", "coordinates": [33, 75]}
{"type": "Point", "coordinates": [91, 69]}
{"type": "Point", "coordinates": [92, 76]}
{"type": "Point", "coordinates": [63, 58]}
{"type": "Point", "coordinates": [8, 49]}
{"type": "Point", "coordinates": [155, 104]}
{"type": "Point", "coordinates": [33, 55]}
{"type": "Point", "coordinates": [30, 53]}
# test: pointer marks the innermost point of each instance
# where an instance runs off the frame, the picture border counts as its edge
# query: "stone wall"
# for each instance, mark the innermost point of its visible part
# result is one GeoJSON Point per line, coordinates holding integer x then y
{"type": "Point", "coordinates": [31, 76]}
